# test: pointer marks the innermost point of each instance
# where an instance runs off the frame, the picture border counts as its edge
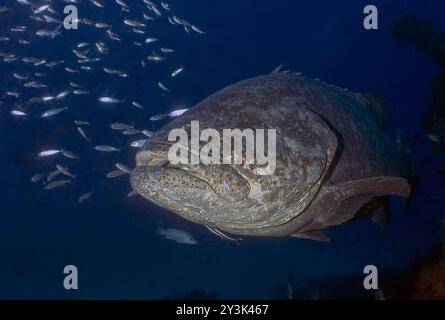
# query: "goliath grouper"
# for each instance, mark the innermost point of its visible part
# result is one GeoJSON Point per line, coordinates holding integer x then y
{"type": "Point", "coordinates": [333, 159]}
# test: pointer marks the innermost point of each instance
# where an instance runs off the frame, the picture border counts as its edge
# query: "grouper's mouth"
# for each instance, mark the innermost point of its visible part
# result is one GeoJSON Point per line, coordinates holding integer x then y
{"type": "Point", "coordinates": [161, 175]}
{"type": "Point", "coordinates": [156, 179]}
{"type": "Point", "coordinates": [151, 180]}
{"type": "Point", "coordinates": [154, 174]}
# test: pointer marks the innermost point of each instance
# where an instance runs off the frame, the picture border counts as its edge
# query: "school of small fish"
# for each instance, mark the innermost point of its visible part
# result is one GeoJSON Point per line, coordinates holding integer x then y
{"type": "Point", "coordinates": [27, 92]}
{"type": "Point", "coordinates": [28, 88]}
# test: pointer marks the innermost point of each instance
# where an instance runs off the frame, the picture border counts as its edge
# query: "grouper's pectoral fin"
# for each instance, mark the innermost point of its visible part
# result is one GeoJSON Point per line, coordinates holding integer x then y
{"type": "Point", "coordinates": [352, 196]}
{"type": "Point", "coordinates": [317, 235]}
{"type": "Point", "coordinates": [377, 186]}
{"type": "Point", "coordinates": [339, 204]}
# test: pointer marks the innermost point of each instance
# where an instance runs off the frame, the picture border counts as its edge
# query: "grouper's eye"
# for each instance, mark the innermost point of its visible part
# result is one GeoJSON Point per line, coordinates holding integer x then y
{"type": "Point", "coordinates": [166, 164]}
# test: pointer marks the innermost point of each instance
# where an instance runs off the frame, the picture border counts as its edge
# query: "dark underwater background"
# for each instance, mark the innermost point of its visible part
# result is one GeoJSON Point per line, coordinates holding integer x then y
{"type": "Point", "coordinates": [113, 239]}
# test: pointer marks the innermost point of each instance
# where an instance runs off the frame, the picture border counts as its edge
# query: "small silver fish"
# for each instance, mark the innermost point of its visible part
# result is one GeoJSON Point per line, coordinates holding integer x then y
{"type": "Point", "coordinates": [105, 148]}
{"type": "Point", "coordinates": [137, 105]}
{"type": "Point", "coordinates": [56, 184]}
{"type": "Point", "coordinates": [138, 143]}
{"type": "Point", "coordinates": [85, 197]}
{"type": "Point", "coordinates": [115, 174]}
{"type": "Point", "coordinates": [109, 100]}
{"type": "Point", "coordinates": [132, 193]}
{"type": "Point", "coordinates": [37, 177]}
{"type": "Point", "coordinates": [148, 133]}
{"type": "Point", "coordinates": [81, 123]}
{"type": "Point", "coordinates": [47, 98]}
{"type": "Point", "coordinates": [75, 85]}
{"type": "Point", "coordinates": [65, 171]}
{"type": "Point", "coordinates": [48, 153]}
{"type": "Point", "coordinates": [70, 155]}
{"type": "Point", "coordinates": [151, 40]}
{"type": "Point", "coordinates": [123, 168]}
{"type": "Point", "coordinates": [81, 92]}
{"type": "Point", "coordinates": [122, 3]}
{"type": "Point", "coordinates": [53, 112]}
{"type": "Point", "coordinates": [177, 113]}
{"type": "Point", "coordinates": [41, 9]}
{"type": "Point", "coordinates": [83, 134]}
{"type": "Point", "coordinates": [178, 236]}
{"type": "Point", "coordinates": [63, 94]}
{"type": "Point", "coordinates": [120, 126]}
{"type": "Point", "coordinates": [131, 132]}
{"type": "Point", "coordinates": [19, 76]}
{"type": "Point", "coordinates": [167, 50]}
{"type": "Point", "coordinates": [154, 57]}
{"type": "Point", "coordinates": [158, 117]}
{"type": "Point", "coordinates": [434, 137]}
{"type": "Point", "coordinates": [198, 30]}
{"type": "Point", "coordinates": [18, 113]}
{"type": "Point", "coordinates": [165, 6]}
{"type": "Point", "coordinates": [163, 87]}
{"type": "Point", "coordinates": [177, 72]}
{"type": "Point", "coordinates": [134, 23]}
{"type": "Point", "coordinates": [53, 174]}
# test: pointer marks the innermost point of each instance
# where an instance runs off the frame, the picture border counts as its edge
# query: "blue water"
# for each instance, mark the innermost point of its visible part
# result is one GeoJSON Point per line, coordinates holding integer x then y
{"type": "Point", "coordinates": [113, 239]}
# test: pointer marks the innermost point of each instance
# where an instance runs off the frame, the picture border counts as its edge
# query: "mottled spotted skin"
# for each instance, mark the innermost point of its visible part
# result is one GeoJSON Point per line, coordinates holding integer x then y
{"type": "Point", "coordinates": [333, 157]}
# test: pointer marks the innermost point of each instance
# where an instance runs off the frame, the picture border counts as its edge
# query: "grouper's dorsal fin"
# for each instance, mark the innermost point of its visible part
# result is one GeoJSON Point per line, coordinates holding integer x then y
{"type": "Point", "coordinates": [279, 69]}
